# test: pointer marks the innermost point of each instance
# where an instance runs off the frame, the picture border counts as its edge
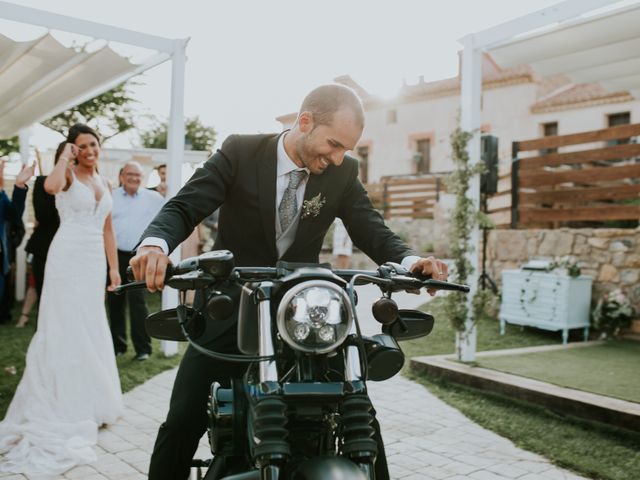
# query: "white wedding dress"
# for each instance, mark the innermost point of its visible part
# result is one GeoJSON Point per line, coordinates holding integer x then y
{"type": "Point", "coordinates": [70, 385]}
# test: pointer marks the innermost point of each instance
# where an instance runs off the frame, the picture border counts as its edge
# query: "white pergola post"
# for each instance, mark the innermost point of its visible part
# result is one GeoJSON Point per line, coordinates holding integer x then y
{"type": "Point", "coordinates": [470, 95]}
{"type": "Point", "coordinates": [21, 263]}
{"type": "Point", "coordinates": [175, 151]}
{"type": "Point", "coordinates": [470, 113]}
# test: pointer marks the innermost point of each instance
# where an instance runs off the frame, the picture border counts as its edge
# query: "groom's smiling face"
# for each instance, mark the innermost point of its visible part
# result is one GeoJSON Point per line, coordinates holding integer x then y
{"type": "Point", "coordinates": [323, 145]}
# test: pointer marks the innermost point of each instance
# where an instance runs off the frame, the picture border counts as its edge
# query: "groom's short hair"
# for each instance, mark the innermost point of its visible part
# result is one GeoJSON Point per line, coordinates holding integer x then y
{"type": "Point", "coordinates": [324, 101]}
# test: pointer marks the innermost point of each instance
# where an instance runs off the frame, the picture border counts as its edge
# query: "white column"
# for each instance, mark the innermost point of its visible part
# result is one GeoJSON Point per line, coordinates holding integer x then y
{"type": "Point", "coordinates": [470, 95]}
{"type": "Point", "coordinates": [21, 257]}
{"type": "Point", "coordinates": [175, 151]}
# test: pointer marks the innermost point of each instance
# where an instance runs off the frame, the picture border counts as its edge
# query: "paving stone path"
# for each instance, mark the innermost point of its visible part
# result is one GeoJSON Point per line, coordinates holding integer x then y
{"type": "Point", "coordinates": [425, 438]}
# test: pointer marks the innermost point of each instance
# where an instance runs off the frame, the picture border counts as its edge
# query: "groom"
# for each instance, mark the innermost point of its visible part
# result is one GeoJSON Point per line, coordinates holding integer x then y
{"type": "Point", "coordinates": [259, 182]}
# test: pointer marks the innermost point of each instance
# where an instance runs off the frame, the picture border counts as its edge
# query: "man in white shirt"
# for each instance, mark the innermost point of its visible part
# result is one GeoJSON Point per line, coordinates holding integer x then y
{"type": "Point", "coordinates": [133, 210]}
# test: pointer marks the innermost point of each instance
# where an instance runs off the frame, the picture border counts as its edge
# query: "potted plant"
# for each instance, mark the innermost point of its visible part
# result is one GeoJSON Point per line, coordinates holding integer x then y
{"type": "Point", "coordinates": [612, 313]}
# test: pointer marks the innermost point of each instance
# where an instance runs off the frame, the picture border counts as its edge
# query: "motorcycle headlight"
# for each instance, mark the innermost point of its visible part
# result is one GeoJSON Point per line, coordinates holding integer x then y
{"type": "Point", "coordinates": [315, 316]}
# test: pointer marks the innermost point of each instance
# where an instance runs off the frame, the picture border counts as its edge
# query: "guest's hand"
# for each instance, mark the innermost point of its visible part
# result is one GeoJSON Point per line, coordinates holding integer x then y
{"type": "Point", "coordinates": [114, 279]}
{"type": "Point", "coordinates": [150, 264]}
{"type": "Point", "coordinates": [431, 266]}
{"type": "Point", "coordinates": [25, 174]}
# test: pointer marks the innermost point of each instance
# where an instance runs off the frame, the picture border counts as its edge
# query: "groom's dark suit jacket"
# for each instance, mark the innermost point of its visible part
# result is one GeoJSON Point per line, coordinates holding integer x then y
{"type": "Point", "coordinates": [240, 178]}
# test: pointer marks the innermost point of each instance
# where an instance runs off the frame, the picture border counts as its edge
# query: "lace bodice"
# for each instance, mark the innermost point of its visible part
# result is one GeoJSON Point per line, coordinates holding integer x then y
{"type": "Point", "coordinates": [78, 205]}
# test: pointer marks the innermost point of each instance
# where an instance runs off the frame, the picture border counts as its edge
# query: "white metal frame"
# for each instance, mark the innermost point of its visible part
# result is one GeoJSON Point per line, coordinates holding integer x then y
{"type": "Point", "coordinates": [470, 112]}
{"type": "Point", "coordinates": [169, 49]}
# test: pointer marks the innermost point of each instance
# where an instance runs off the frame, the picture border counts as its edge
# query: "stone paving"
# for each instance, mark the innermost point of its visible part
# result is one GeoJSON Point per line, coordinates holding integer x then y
{"type": "Point", "coordinates": [425, 438]}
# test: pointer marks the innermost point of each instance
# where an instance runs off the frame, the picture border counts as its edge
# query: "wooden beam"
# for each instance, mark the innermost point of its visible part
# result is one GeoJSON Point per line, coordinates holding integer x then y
{"type": "Point", "coordinates": [425, 189]}
{"type": "Point", "coordinates": [595, 213]}
{"type": "Point", "coordinates": [611, 133]}
{"type": "Point", "coordinates": [581, 195]}
{"type": "Point", "coordinates": [586, 175]}
{"type": "Point", "coordinates": [583, 156]}
{"type": "Point", "coordinates": [410, 181]}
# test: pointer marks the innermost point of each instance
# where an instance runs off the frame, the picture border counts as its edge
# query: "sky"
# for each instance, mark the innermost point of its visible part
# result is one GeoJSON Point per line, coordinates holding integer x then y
{"type": "Point", "coordinates": [250, 61]}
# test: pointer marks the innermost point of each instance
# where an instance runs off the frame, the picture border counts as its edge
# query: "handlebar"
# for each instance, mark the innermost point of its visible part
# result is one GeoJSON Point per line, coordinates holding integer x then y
{"type": "Point", "coordinates": [212, 268]}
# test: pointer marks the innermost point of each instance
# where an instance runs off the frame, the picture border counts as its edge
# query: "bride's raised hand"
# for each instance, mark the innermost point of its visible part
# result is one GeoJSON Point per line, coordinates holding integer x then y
{"type": "Point", "coordinates": [70, 152]}
{"type": "Point", "coordinates": [114, 279]}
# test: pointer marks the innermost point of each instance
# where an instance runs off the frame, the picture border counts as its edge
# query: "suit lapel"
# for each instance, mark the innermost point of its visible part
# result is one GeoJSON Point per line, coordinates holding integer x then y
{"type": "Point", "coordinates": [267, 193]}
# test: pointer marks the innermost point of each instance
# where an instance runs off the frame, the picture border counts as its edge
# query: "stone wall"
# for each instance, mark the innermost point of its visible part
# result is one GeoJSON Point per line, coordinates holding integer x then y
{"type": "Point", "coordinates": [425, 236]}
{"type": "Point", "coordinates": [610, 256]}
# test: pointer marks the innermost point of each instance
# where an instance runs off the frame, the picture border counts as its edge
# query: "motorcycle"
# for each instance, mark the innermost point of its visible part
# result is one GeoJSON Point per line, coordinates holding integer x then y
{"type": "Point", "coordinates": [301, 411]}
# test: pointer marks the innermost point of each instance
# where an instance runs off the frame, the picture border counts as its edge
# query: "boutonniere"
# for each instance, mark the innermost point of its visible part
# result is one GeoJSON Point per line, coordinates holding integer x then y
{"type": "Point", "coordinates": [311, 208]}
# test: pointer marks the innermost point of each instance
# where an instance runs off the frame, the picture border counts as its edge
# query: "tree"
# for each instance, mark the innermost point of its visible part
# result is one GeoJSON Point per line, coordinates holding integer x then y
{"type": "Point", "coordinates": [197, 135]}
{"type": "Point", "coordinates": [109, 113]}
{"type": "Point", "coordinates": [9, 145]}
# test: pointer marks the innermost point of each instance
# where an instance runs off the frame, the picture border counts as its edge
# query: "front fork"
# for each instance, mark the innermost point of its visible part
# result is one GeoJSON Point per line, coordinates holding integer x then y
{"type": "Point", "coordinates": [269, 422]}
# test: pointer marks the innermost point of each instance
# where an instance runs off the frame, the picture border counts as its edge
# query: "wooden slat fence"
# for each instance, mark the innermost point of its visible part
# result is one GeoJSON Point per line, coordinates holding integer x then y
{"type": "Point", "coordinates": [413, 197]}
{"type": "Point", "coordinates": [571, 186]}
{"type": "Point", "coordinates": [499, 204]}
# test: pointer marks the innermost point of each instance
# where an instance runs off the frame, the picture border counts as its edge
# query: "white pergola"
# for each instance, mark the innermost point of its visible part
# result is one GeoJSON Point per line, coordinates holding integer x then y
{"type": "Point", "coordinates": [586, 40]}
{"type": "Point", "coordinates": [42, 93]}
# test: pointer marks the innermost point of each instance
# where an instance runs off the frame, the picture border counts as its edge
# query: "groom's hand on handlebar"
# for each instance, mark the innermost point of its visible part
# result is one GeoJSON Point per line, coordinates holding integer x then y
{"type": "Point", "coordinates": [150, 265]}
{"type": "Point", "coordinates": [432, 267]}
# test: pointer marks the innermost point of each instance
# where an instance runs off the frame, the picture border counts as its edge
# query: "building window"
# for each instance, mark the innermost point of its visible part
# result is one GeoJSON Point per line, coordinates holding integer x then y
{"type": "Point", "coordinates": [363, 156]}
{"type": "Point", "coordinates": [423, 156]}
{"type": "Point", "coordinates": [549, 129]}
{"type": "Point", "coordinates": [623, 118]}
{"type": "Point", "coordinates": [392, 116]}
{"type": "Point", "coordinates": [615, 119]}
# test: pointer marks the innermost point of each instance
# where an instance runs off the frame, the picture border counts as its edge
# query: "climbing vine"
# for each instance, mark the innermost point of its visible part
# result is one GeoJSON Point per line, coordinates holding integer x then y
{"type": "Point", "coordinates": [464, 218]}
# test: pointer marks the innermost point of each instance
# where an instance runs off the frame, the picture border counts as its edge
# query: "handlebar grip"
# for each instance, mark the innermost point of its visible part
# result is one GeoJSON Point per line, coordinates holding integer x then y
{"type": "Point", "coordinates": [439, 285]}
{"type": "Point", "coordinates": [169, 273]}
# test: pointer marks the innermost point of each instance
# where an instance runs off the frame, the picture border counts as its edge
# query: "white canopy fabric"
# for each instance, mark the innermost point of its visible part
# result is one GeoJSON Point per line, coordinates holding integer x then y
{"type": "Point", "coordinates": [42, 77]}
{"type": "Point", "coordinates": [603, 48]}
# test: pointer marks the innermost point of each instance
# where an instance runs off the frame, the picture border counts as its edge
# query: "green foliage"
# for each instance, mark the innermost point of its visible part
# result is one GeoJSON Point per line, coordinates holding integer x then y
{"type": "Point", "coordinates": [464, 219]}
{"type": "Point", "coordinates": [109, 113]}
{"type": "Point", "coordinates": [404, 236]}
{"type": "Point", "coordinates": [199, 136]}
{"type": "Point", "coordinates": [9, 145]}
{"type": "Point", "coordinates": [428, 247]}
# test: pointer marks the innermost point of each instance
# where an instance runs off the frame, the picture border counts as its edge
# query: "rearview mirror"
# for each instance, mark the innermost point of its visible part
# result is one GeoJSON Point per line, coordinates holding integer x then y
{"type": "Point", "coordinates": [164, 325]}
{"type": "Point", "coordinates": [411, 324]}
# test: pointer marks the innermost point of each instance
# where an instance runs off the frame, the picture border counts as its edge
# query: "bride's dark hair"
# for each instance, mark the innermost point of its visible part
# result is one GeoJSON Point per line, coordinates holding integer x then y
{"type": "Point", "coordinates": [80, 128]}
{"type": "Point", "coordinates": [59, 151]}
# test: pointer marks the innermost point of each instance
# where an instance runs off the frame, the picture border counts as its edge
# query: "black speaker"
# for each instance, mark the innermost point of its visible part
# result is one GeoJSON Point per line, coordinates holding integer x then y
{"type": "Point", "coordinates": [489, 155]}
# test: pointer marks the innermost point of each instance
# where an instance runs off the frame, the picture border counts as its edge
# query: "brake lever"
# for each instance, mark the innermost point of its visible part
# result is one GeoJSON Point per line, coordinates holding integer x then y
{"type": "Point", "coordinates": [129, 286]}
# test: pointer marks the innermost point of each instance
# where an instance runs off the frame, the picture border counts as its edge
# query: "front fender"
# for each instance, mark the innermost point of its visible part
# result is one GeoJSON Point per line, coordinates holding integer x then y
{"type": "Point", "coordinates": [328, 468]}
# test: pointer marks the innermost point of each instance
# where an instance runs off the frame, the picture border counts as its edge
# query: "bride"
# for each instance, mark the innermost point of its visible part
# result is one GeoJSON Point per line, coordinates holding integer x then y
{"type": "Point", "coordinates": [70, 385]}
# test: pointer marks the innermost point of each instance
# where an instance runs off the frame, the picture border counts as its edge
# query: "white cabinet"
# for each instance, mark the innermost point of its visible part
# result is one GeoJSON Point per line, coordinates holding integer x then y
{"type": "Point", "coordinates": [545, 300]}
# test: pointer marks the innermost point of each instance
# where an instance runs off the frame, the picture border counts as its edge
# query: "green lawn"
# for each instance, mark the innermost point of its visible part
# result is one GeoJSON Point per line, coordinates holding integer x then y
{"type": "Point", "coordinates": [14, 343]}
{"type": "Point", "coordinates": [442, 339]}
{"type": "Point", "coordinates": [611, 369]}
{"type": "Point", "coordinates": [590, 449]}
